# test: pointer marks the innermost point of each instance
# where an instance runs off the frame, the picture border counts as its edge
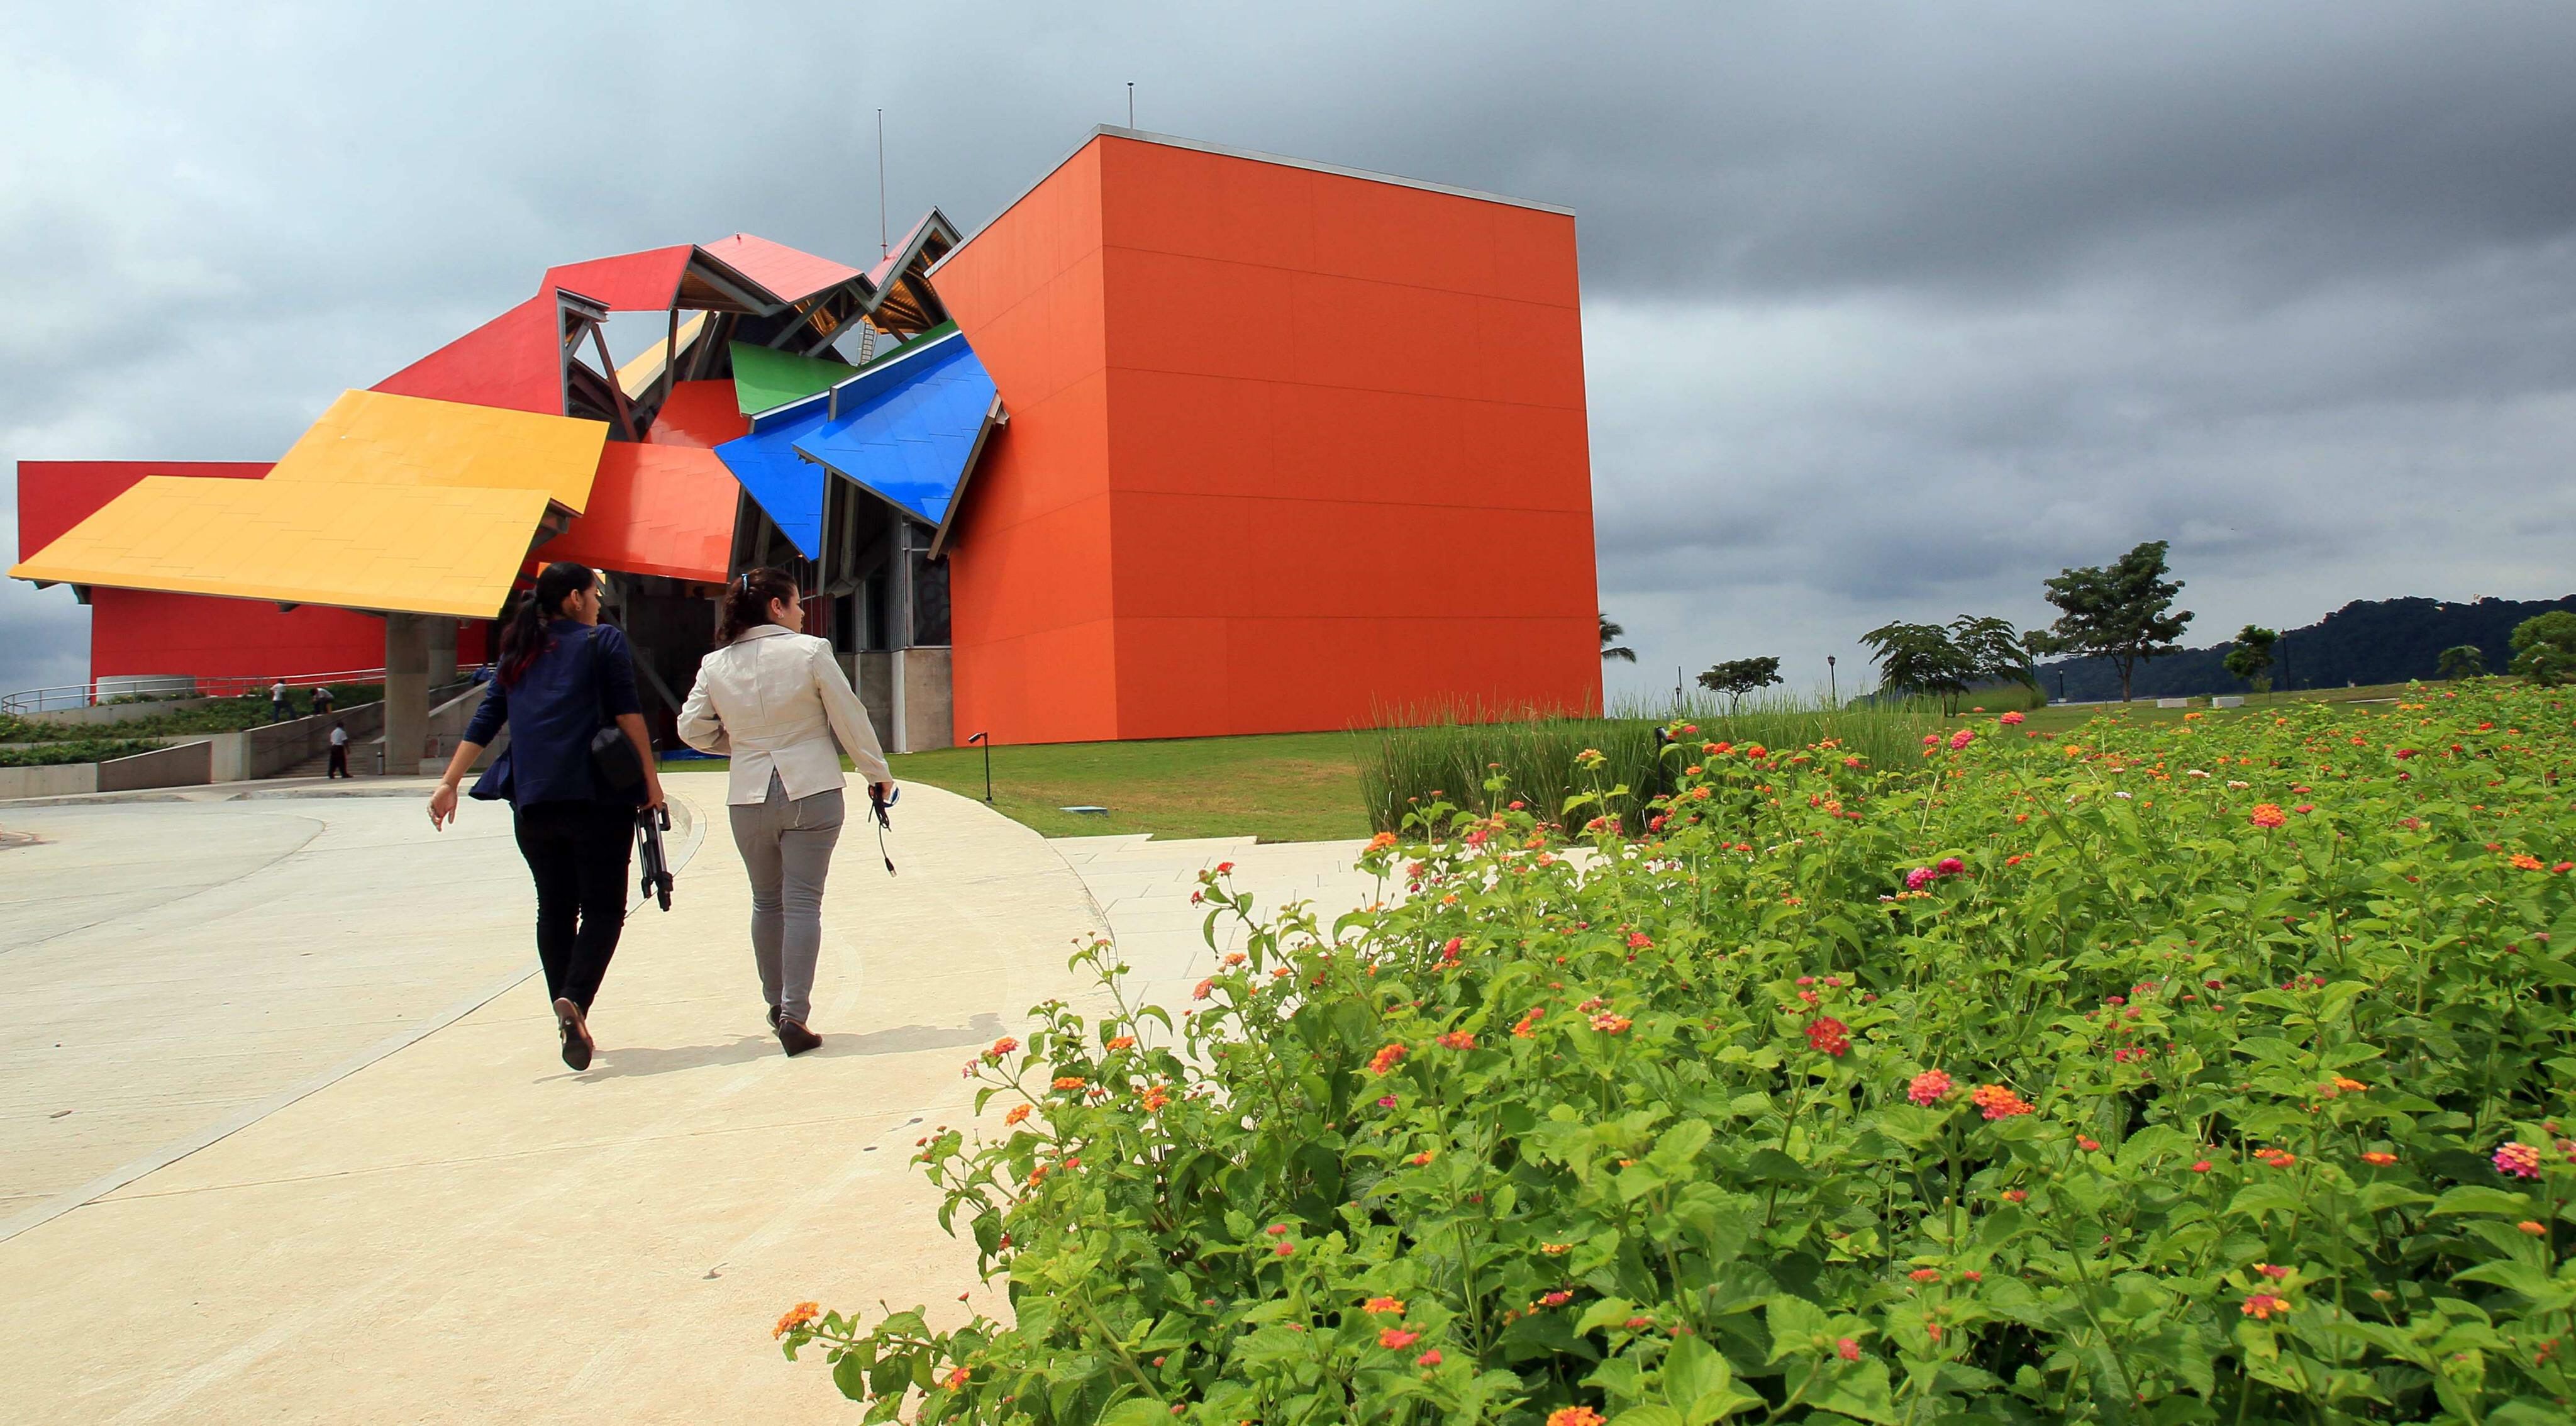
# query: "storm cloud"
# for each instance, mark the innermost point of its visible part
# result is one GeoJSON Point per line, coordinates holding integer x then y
{"type": "Point", "coordinates": [1891, 310]}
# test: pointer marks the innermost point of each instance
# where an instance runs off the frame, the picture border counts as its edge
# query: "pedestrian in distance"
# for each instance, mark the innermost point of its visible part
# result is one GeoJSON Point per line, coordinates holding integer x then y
{"type": "Point", "coordinates": [775, 701]}
{"type": "Point", "coordinates": [279, 709]}
{"type": "Point", "coordinates": [562, 677]}
{"type": "Point", "coordinates": [322, 699]}
{"type": "Point", "coordinates": [339, 753]}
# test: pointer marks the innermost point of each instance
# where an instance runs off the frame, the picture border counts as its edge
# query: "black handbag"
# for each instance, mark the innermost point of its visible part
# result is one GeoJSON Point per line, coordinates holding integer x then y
{"type": "Point", "coordinates": [612, 753]}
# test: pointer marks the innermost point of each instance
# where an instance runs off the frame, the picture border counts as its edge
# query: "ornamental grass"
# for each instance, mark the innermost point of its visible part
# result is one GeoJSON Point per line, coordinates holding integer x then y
{"type": "Point", "coordinates": [1426, 761]}
{"type": "Point", "coordinates": [2140, 1104]}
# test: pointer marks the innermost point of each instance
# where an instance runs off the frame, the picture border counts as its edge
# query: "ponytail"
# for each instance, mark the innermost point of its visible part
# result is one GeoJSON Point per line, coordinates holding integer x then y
{"type": "Point", "coordinates": [747, 599]}
{"type": "Point", "coordinates": [525, 636]}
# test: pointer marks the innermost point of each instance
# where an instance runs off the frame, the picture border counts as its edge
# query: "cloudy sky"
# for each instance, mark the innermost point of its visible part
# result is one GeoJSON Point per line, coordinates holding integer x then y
{"type": "Point", "coordinates": [1892, 310]}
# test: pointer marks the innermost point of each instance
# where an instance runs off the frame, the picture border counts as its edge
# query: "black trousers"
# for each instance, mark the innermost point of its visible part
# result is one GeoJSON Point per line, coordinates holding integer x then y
{"type": "Point", "coordinates": [339, 762]}
{"type": "Point", "coordinates": [578, 852]}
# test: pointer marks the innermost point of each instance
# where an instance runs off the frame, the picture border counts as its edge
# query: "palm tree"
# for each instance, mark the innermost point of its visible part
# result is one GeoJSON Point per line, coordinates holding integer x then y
{"type": "Point", "coordinates": [1611, 648]}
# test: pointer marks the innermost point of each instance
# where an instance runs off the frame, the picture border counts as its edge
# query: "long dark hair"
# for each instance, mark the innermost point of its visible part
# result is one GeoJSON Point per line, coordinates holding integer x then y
{"type": "Point", "coordinates": [525, 636]}
{"type": "Point", "coordinates": [746, 601]}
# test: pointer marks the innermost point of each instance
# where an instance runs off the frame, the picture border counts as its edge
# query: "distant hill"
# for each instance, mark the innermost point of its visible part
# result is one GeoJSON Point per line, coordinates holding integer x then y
{"type": "Point", "coordinates": [2366, 641]}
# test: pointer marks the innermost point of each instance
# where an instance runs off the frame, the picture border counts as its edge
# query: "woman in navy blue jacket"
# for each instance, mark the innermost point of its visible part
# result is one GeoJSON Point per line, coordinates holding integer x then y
{"type": "Point", "coordinates": [561, 677]}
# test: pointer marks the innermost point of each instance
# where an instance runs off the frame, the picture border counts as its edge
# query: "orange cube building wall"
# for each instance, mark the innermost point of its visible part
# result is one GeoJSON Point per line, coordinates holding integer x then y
{"type": "Point", "coordinates": [1289, 450]}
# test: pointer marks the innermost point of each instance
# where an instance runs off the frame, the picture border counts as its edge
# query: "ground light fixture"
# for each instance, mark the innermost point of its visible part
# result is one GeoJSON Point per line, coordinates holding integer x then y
{"type": "Point", "coordinates": [987, 740]}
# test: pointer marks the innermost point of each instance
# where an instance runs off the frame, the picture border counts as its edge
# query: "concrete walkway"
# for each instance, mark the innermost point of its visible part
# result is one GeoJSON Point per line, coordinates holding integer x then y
{"type": "Point", "coordinates": [172, 965]}
{"type": "Point", "coordinates": [462, 1230]}
{"type": "Point", "coordinates": [385, 1199]}
{"type": "Point", "coordinates": [1143, 888]}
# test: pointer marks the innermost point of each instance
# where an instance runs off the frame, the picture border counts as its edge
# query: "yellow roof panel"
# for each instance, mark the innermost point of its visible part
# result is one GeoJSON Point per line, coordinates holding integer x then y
{"type": "Point", "coordinates": [375, 438]}
{"type": "Point", "coordinates": [409, 548]}
{"type": "Point", "coordinates": [638, 376]}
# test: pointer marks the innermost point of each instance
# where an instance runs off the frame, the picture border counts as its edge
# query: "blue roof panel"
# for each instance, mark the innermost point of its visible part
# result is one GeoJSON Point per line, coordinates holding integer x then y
{"type": "Point", "coordinates": [906, 428]}
{"type": "Point", "coordinates": [786, 485]}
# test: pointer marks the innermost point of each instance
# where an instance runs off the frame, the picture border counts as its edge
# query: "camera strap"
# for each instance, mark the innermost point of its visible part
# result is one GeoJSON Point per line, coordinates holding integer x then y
{"type": "Point", "coordinates": [877, 809]}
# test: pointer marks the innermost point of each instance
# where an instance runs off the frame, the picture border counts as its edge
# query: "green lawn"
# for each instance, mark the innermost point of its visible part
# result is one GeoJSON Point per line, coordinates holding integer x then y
{"type": "Point", "coordinates": [1289, 787]}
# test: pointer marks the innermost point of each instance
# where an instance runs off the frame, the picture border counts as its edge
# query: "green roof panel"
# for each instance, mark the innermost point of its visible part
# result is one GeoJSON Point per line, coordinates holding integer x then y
{"type": "Point", "coordinates": [764, 380]}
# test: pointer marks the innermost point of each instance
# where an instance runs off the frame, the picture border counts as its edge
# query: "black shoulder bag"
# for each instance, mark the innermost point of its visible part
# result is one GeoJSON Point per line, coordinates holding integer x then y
{"type": "Point", "coordinates": [612, 754]}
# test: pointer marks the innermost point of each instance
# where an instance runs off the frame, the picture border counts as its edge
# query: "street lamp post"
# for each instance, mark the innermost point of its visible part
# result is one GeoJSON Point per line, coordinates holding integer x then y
{"type": "Point", "coordinates": [987, 741]}
{"type": "Point", "coordinates": [1833, 692]}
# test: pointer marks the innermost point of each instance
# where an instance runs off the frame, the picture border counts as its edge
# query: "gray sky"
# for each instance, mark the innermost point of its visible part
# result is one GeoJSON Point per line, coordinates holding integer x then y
{"type": "Point", "coordinates": [1892, 310]}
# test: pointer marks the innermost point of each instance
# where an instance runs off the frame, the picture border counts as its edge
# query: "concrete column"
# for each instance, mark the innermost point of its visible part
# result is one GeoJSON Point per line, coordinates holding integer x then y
{"type": "Point", "coordinates": [899, 590]}
{"type": "Point", "coordinates": [442, 650]}
{"type": "Point", "coordinates": [406, 693]}
{"type": "Point", "coordinates": [896, 723]}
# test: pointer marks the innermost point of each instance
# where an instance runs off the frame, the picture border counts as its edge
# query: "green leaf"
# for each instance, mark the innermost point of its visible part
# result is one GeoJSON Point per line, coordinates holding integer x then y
{"type": "Point", "coordinates": [1352, 1023]}
{"type": "Point", "coordinates": [1769, 1165]}
{"type": "Point", "coordinates": [850, 1374]}
{"type": "Point", "coordinates": [1796, 1324]}
{"type": "Point", "coordinates": [1608, 1312]}
{"type": "Point", "coordinates": [2476, 1198]}
{"type": "Point", "coordinates": [1137, 1411]}
{"type": "Point", "coordinates": [1860, 1391]}
{"type": "Point", "coordinates": [1718, 1405]}
{"type": "Point", "coordinates": [1680, 1145]}
{"type": "Point", "coordinates": [1638, 1180]}
{"type": "Point", "coordinates": [2546, 1293]}
{"type": "Point", "coordinates": [1693, 1369]}
{"type": "Point", "coordinates": [1649, 1415]}
{"type": "Point", "coordinates": [2267, 1196]}
{"type": "Point", "coordinates": [2378, 1196]}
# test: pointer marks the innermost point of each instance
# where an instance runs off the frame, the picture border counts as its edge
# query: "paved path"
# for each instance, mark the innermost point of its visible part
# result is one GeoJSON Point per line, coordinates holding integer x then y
{"type": "Point", "coordinates": [457, 1229]}
{"type": "Point", "coordinates": [171, 965]}
{"type": "Point", "coordinates": [465, 1231]}
{"type": "Point", "coordinates": [1143, 887]}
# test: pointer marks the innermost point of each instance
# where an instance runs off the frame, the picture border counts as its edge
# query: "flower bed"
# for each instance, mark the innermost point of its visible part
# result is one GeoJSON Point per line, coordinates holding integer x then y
{"type": "Point", "coordinates": [2213, 1071]}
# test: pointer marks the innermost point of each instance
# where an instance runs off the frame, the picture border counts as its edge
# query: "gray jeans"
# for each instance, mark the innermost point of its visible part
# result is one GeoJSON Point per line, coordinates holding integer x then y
{"type": "Point", "coordinates": [786, 845]}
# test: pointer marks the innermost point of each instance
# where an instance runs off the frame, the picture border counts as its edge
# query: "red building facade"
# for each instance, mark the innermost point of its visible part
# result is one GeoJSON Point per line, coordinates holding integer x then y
{"type": "Point", "coordinates": [1290, 448]}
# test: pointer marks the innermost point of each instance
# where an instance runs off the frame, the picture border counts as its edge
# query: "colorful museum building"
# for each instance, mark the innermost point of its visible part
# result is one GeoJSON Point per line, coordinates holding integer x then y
{"type": "Point", "coordinates": [1185, 441]}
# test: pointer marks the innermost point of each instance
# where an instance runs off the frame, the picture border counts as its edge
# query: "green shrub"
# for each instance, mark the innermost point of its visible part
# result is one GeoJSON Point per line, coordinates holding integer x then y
{"type": "Point", "coordinates": [222, 715]}
{"type": "Point", "coordinates": [75, 750]}
{"type": "Point", "coordinates": [2206, 1070]}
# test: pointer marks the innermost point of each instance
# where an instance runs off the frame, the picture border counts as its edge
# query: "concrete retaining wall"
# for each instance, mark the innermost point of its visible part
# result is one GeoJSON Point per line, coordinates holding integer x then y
{"type": "Point", "coordinates": [186, 765]}
{"type": "Point", "coordinates": [447, 722]}
{"type": "Point", "coordinates": [61, 780]}
{"type": "Point", "coordinates": [271, 749]}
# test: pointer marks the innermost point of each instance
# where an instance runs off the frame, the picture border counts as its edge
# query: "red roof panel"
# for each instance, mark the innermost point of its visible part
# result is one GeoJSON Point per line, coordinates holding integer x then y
{"type": "Point", "coordinates": [700, 413]}
{"type": "Point", "coordinates": [665, 510]}
{"type": "Point", "coordinates": [788, 275]}
{"type": "Point", "coordinates": [54, 495]}
{"type": "Point", "coordinates": [648, 281]}
{"type": "Point", "coordinates": [514, 361]}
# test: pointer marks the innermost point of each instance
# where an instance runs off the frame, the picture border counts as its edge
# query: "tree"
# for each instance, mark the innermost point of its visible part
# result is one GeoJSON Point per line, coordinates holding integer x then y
{"type": "Point", "coordinates": [2462, 661]}
{"type": "Point", "coordinates": [1921, 659]}
{"type": "Point", "coordinates": [1994, 651]}
{"type": "Point", "coordinates": [1738, 677]}
{"type": "Point", "coordinates": [2251, 659]}
{"type": "Point", "coordinates": [1611, 648]}
{"type": "Point", "coordinates": [1931, 660]}
{"type": "Point", "coordinates": [2121, 613]}
{"type": "Point", "coordinates": [2544, 648]}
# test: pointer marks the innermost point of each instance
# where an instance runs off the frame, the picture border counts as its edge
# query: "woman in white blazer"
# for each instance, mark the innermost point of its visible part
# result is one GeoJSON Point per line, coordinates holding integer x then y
{"type": "Point", "coordinates": [775, 701]}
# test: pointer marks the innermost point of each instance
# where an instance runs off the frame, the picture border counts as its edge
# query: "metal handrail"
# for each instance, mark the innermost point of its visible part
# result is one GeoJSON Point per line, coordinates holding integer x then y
{"type": "Point", "coordinates": [85, 695]}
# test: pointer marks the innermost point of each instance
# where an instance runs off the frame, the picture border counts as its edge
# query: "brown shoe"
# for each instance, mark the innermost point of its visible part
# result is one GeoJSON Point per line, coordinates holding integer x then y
{"type": "Point", "coordinates": [575, 1029]}
{"type": "Point", "coordinates": [793, 1035]}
